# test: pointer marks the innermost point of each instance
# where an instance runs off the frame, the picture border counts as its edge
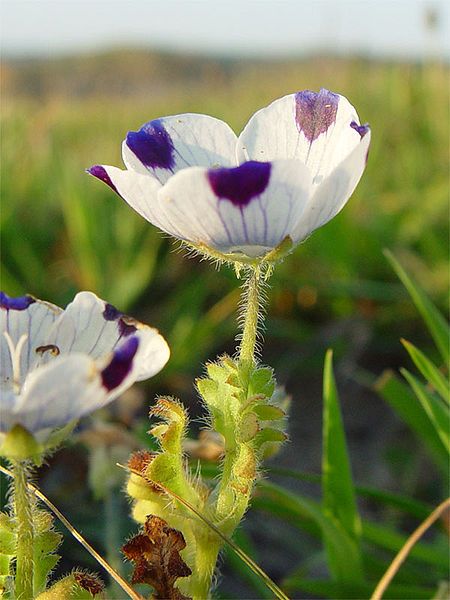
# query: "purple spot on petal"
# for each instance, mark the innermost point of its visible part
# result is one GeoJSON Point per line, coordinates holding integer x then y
{"type": "Point", "coordinates": [120, 365]}
{"type": "Point", "coordinates": [152, 145]}
{"type": "Point", "coordinates": [315, 112]}
{"type": "Point", "coordinates": [111, 313]}
{"type": "Point", "coordinates": [361, 129]}
{"type": "Point", "coordinates": [240, 184]}
{"type": "Point", "coordinates": [124, 323]}
{"type": "Point", "coordinates": [126, 326]}
{"type": "Point", "coordinates": [20, 303]}
{"type": "Point", "coordinates": [101, 173]}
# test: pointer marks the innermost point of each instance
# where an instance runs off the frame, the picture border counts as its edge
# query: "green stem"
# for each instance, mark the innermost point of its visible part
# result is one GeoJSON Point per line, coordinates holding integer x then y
{"type": "Point", "coordinates": [251, 305]}
{"type": "Point", "coordinates": [25, 532]}
{"type": "Point", "coordinates": [206, 552]}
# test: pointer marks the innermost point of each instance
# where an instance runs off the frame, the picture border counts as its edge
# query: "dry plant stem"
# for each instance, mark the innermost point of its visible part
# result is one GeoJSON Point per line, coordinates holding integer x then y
{"type": "Point", "coordinates": [406, 549]}
{"type": "Point", "coordinates": [23, 511]}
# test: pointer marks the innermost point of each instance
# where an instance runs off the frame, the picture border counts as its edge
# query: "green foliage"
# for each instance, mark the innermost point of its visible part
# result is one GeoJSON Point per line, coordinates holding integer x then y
{"type": "Point", "coordinates": [241, 409]}
{"type": "Point", "coordinates": [45, 543]}
{"type": "Point", "coordinates": [339, 498]}
{"type": "Point", "coordinates": [435, 322]}
{"type": "Point", "coordinates": [402, 399]}
{"type": "Point", "coordinates": [424, 407]}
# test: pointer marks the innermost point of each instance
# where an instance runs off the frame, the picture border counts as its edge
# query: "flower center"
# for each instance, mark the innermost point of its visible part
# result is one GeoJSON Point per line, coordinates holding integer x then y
{"type": "Point", "coordinates": [15, 352]}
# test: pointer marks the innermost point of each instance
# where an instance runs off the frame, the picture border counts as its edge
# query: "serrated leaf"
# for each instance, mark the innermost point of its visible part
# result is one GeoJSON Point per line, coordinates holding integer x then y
{"type": "Point", "coordinates": [261, 382]}
{"type": "Point", "coordinates": [270, 435]}
{"type": "Point", "coordinates": [437, 325]}
{"type": "Point", "coordinates": [339, 499]}
{"type": "Point", "coordinates": [429, 371]}
{"type": "Point", "coordinates": [268, 412]}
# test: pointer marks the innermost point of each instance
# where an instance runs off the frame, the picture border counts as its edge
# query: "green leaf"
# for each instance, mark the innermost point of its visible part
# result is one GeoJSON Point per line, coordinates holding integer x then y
{"type": "Point", "coordinates": [339, 499]}
{"type": "Point", "coordinates": [268, 412]}
{"type": "Point", "coordinates": [400, 397]}
{"type": "Point", "coordinates": [414, 507]}
{"type": "Point", "coordinates": [307, 516]}
{"type": "Point", "coordinates": [389, 539]}
{"type": "Point", "coordinates": [342, 547]}
{"type": "Point", "coordinates": [331, 589]}
{"type": "Point", "coordinates": [437, 412]}
{"type": "Point", "coordinates": [437, 325]}
{"type": "Point", "coordinates": [429, 371]}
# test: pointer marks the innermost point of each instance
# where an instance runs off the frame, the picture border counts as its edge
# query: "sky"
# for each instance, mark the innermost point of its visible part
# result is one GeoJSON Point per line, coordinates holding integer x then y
{"type": "Point", "coordinates": [233, 27]}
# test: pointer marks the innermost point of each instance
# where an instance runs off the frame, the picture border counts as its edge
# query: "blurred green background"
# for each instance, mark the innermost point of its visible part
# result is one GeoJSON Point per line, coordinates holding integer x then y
{"type": "Point", "coordinates": [63, 231]}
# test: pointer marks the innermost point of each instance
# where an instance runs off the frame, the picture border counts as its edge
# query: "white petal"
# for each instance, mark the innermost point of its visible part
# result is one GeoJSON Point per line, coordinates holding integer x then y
{"type": "Point", "coordinates": [33, 321]}
{"type": "Point", "coordinates": [54, 394]}
{"type": "Point", "coordinates": [264, 202]}
{"type": "Point", "coordinates": [164, 146]}
{"type": "Point", "coordinates": [138, 190]}
{"type": "Point", "coordinates": [153, 353]}
{"type": "Point", "coordinates": [320, 136]}
{"type": "Point", "coordinates": [332, 194]}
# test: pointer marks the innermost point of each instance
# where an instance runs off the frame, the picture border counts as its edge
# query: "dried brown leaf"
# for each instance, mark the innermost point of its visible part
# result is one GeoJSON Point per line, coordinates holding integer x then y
{"type": "Point", "coordinates": [156, 556]}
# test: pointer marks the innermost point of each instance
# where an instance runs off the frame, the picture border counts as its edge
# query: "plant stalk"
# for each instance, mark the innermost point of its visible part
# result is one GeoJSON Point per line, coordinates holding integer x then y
{"type": "Point", "coordinates": [251, 306]}
{"type": "Point", "coordinates": [23, 509]}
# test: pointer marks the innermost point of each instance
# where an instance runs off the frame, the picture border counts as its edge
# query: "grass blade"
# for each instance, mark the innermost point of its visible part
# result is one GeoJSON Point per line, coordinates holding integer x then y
{"type": "Point", "coordinates": [435, 410]}
{"type": "Point", "coordinates": [436, 323]}
{"type": "Point", "coordinates": [343, 549]}
{"type": "Point", "coordinates": [429, 371]}
{"type": "Point", "coordinates": [407, 547]}
{"type": "Point", "coordinates": [403, 401]}
{"type": "Point", "coordinates": [339, 499]}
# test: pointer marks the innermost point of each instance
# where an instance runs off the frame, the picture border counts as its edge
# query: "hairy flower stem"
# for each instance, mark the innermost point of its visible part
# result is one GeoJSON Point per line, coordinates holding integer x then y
{"type": "Point", "coordinates": [251, 306]}
{"type": "Point", "coordinates": [25, 532]}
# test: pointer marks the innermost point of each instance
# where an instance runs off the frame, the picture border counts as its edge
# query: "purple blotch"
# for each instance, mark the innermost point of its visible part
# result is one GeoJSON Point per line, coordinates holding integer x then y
{"type": "Point", "coordinates": [361, 129]}
{"type": "Point", "coordinates": [240, 184]}
{"type": "Point", "coordinates": [120, 365]}
{"type": "Point", "coordinates": [124, 323]}
{"type": "Point", "coordinates": [315, 112]}
{"type": "Point", "coordinates": [152, 145]}
{"type": "Point", "coordinates": [19, 303]}
{"type": "Point", "coordinates": [101, 173]}
{"type": "Point", "coordinates": [111, 313]}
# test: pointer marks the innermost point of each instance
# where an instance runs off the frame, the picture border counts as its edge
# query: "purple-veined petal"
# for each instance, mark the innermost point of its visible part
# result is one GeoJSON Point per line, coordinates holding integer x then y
{"type": "Point", "coordinates": [164, 146]}
{"type": "Point", "coordinates": [332, 194]}
{"type": "Point", "coordinates": [94, 327]}
{"type": "Point", "coordinates": [91, 326]}
{"type": "Point", "coordinates": [315, 128]}
{"type": "Point", "coordinates": [248, 209]}
{"type": "Point", "coordinates": [30, 320]}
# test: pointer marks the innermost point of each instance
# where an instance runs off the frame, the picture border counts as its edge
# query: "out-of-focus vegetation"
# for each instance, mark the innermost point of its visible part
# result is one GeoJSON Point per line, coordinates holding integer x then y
{"type": "Point", "coordinates": [63, 231]}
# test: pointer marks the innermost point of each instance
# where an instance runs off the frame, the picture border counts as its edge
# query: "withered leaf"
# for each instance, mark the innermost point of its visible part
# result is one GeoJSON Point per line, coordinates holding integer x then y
{"type": "Point", "coordinates": [156, 556]}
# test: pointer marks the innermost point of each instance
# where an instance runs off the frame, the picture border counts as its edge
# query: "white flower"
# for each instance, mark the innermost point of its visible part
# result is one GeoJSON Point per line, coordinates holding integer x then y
{"type": "Point", "coordinates": [57, 365]}
{"type": "Point", "coordinates": [291, 170]}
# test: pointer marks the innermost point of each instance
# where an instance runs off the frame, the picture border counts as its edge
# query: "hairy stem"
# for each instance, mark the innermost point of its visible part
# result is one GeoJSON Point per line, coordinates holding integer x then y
{"type": "Point", "coordinates": [251, 308]}
{"type": "Point", "coordinates": [25, 532]}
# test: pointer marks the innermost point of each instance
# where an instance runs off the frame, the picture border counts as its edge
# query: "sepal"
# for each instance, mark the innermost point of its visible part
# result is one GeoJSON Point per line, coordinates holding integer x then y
{"type": "Point", "coordinates": [79, 585]}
